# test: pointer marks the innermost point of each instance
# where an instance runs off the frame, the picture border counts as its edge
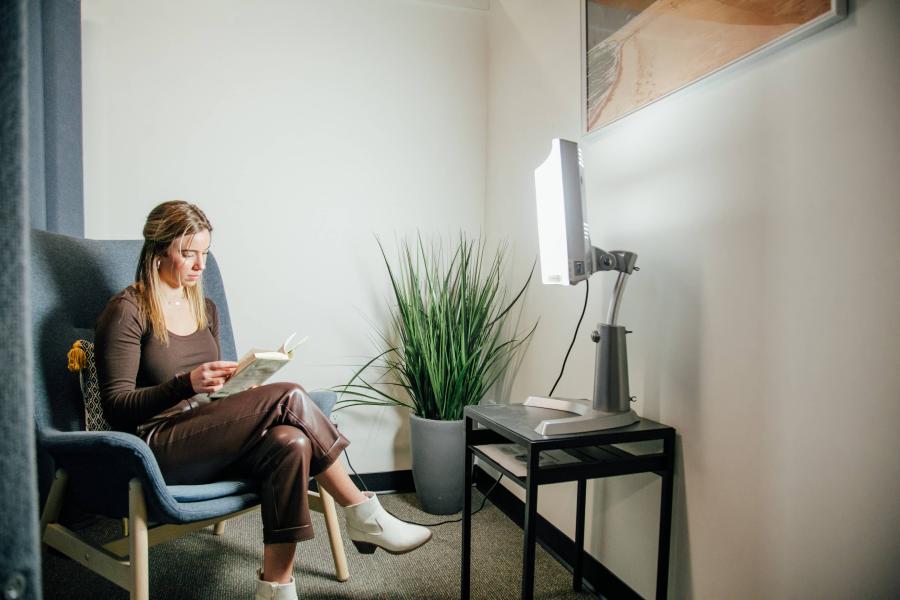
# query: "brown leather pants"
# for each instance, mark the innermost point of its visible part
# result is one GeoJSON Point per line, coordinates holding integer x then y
{"type": "Point", "coordinates": [274, 434]}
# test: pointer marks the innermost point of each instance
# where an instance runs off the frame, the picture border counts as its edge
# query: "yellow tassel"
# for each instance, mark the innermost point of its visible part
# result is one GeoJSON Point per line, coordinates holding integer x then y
{"type": "Point", "coordinates": [77, 358]}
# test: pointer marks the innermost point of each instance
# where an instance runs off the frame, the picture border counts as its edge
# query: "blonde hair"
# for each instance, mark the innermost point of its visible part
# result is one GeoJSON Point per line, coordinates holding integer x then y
{"type": "Point", "coordinates": [166, 223]}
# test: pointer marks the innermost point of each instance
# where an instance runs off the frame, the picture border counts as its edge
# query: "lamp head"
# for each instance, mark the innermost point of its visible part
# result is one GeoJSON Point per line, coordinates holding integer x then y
{"type": "Point", "coordinates": [563, 237]}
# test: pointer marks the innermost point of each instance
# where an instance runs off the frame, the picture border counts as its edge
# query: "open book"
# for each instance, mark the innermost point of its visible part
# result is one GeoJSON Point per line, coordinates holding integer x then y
{"type": "Point", "coordinates": [257, 366]}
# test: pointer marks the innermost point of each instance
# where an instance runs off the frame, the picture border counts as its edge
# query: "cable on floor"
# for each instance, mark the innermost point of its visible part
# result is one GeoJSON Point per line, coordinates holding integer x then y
{"type": "Point", "coordinates": [483, 500]}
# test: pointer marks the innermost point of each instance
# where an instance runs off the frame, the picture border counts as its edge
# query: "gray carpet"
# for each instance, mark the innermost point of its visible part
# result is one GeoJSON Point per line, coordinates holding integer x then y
{"type": "Point", "coordinates": [206, 566]}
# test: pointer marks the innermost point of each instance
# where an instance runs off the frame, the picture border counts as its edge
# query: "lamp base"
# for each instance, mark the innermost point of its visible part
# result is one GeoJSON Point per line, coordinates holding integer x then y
{"type": "Point", "coordinates": [585, 419]}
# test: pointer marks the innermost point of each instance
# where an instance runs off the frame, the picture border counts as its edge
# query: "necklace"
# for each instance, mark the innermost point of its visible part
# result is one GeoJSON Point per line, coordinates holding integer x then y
{"type": "Point", "coordinates": [175, 302]}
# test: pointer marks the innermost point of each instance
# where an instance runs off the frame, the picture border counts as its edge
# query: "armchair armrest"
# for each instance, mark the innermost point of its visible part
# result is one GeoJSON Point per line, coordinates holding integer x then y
{"type": "Point", "coordinates": [85, 445]}
{"type": "Point", "coordinates": [324, 399]}
{"type": "Point", "coordinates": [100, 465]}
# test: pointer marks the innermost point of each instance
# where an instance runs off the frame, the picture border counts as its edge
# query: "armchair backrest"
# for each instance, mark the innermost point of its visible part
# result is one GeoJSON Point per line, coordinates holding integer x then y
{"type": "Point", "coordinates": [71, 281]}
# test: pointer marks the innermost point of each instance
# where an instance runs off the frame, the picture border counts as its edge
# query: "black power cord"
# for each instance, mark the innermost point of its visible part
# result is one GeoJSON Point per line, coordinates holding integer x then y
{"type": "Point", "coordinates": [483, 500]}
{"type": "Point", "coordinates": [587, 291]}
{"type": "Point", "coordinates": [361, 482]}
{"type": "Point", "coordinates": [475, 512]}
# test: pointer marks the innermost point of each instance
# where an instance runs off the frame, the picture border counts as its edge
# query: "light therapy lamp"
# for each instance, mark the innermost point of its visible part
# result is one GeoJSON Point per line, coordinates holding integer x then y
{"type": "Point", "coordinates": [568, 257]}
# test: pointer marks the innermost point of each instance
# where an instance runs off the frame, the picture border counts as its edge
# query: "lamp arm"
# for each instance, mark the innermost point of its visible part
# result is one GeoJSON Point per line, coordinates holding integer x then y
{"type": "Point", "coordinates": [616, 260]}
{"type": "Point", "coordinates": [613, 315]}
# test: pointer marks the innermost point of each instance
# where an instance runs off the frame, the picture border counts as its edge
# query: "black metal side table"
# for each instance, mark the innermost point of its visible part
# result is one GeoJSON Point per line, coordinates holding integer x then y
{"type": "Point", "coordinates": [592, 456]}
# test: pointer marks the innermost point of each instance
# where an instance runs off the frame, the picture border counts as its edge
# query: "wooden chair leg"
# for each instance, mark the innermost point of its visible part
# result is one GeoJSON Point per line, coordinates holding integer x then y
{"type": "Point", "coordinates": [138, 542]}
{"type": "Point", "coordinates": [334, 536]}
{"type": "Point", "coordinates": [219, 528]}
{"type": "Point", "coordinates": [124, 526]}
{"type": "Point", "coordinates": [53, 506]}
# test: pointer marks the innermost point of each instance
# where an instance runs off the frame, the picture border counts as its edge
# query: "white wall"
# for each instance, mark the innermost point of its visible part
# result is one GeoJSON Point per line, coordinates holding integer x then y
{"type": "Point", "coordinates": [765, 206]}
{"type": "Point", "coordinates": [303, 128]}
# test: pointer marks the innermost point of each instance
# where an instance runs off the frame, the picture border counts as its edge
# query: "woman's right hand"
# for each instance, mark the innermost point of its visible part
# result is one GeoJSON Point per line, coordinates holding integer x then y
{"type": "Point", "coordinates": [210, 377]}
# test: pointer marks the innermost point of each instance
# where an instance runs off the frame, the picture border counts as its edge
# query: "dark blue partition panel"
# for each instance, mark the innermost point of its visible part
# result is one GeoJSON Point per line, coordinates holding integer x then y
{"type": "Point", "coordinates": [61, 41]}
{"type": "Point", "coordinates": [56, 190]}
{"type": "Point", "coordinates": [37, 196]}
{"type": "Point", "coordinates": [19, 558]}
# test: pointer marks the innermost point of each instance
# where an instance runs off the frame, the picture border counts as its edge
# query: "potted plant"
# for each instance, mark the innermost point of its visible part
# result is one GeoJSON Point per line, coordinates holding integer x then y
{"type": "Point", "coordinates": [448, 342]}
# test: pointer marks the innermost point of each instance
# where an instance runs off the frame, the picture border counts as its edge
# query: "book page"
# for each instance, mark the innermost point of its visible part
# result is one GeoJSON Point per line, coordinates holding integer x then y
{"type": "Point", "coordinates": [245, 360]}
{"type": "Point", "coordinates": [290, 345]}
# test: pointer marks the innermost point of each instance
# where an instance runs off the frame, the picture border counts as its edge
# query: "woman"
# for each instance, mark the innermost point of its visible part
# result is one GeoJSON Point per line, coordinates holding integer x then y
{"type": "Point", "coordinates": [157, 346]}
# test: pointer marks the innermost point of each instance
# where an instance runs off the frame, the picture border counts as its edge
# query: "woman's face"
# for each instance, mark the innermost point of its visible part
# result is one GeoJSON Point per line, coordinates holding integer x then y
{"type": "Point", "coordinates": [185, 259]}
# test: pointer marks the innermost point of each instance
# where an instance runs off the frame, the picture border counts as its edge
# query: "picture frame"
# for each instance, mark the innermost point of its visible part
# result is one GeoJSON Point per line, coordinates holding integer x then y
{"type": "Point", "coordinates": [635, 52]}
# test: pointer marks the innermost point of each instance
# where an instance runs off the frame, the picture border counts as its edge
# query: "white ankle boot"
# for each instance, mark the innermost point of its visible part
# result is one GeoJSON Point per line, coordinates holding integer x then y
{"type": "Point", "coordinates": [370, 526]}
{"type": "Point", "coordinates": [266, 590]}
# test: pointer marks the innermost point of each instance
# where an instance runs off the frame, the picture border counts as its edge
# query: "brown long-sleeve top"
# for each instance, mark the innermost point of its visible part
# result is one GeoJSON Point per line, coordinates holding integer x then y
{"type": "Point", "coordinates": [139, 376]}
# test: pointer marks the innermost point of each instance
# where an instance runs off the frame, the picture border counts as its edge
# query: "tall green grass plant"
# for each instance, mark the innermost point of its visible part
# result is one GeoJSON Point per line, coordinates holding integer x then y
{"type": "Point", "coordinates": [448, 341]}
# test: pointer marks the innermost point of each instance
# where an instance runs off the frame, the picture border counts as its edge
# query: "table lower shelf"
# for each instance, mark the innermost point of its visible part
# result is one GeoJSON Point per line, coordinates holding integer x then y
{"type": "Point", "coordinates": [588, 463]}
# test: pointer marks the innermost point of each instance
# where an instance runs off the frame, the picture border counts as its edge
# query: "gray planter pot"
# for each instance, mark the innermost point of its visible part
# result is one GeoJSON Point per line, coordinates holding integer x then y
{"type": "Point", "coordinates": [438, 456]}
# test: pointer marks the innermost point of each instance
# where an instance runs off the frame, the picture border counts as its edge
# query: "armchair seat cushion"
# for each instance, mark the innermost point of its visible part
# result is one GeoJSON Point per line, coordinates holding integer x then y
{"type": "Point", "coordinates": [211, 491]}
{"type": "Point", "coordinates": [189, 512]}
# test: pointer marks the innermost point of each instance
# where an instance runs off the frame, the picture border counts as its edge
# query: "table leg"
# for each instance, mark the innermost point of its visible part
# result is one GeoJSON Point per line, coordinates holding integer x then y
{"type": "Point", "coordinates": [579, 536]}
{"type": "Point", "coordinates": [531, 500]}
{"type": "Point", "coordinates": [665, 519]}
{"type": "Point", "coordinates": [467, 518]}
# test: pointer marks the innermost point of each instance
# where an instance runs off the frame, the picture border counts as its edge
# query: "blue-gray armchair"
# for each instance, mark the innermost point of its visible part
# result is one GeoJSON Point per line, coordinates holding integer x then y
{"type": "Point", "coordinates": [111, 473]}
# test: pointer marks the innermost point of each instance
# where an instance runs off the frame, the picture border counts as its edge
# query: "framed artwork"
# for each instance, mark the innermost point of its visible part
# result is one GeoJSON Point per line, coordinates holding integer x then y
{"type": "Point", "coordinates": [638, 51]}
